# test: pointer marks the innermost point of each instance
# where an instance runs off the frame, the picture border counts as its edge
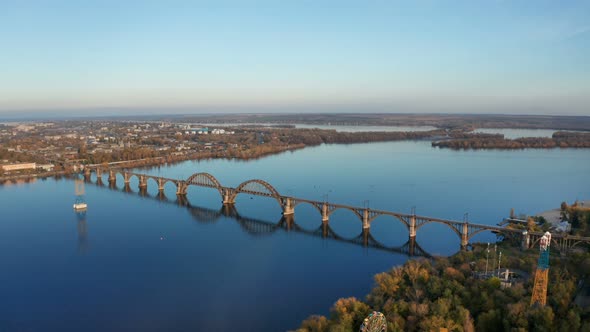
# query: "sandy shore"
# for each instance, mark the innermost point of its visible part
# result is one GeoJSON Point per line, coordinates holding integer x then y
{"type": "Point", "coordinates": [554, 216]}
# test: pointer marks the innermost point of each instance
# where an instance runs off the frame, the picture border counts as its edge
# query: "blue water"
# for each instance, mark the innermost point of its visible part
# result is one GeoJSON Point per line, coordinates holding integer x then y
{"type": "Point", "coordinates": [138, 262]}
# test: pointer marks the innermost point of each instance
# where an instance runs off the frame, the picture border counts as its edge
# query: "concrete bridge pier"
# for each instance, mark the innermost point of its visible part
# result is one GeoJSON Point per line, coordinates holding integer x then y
{"type": "Point", "coordinates": [181, 200]}
{"type": "Point", "coordinates": [325, 214]}
{"type": "Point", "coordinates": [289, 221]}
{"type": "Point", "coordinates": [180, 188]}
{"type": "Point", "coordinates": [288, 208]}
{"type": "Point", "coordinates": [412, 228]}
{"type": "Point", "coordinates": [126, 178]}
{"type": "Point", "coordinates": [465, 236]}
{"type": "Point", "coordinates": [161, 185]}
{"type": "Point", "coordinates": [366, 232]}
{"type": "Point", "coordinates": [526, 240]}
{"type": "Point", "coordinates": [229, 210]}
{"type": "Point", "coordinates": [112, 177]}
{"type": "Point", "coordinates": [366, 224]}
{"type": "Point", "coordinates": [127, 187]}
{"type": "Point", "coordinates": [87, 173]}
{"type": "Point", "coordinates": [325, 229]}
{"type": "Point", "coordinates": [412, 246]}
{"type": "Point", "coordinates": [142, 182]}
{"type": "Point", "coordinates": [98, 173]}
{"type": "Point", "coordinates": [228, 197]}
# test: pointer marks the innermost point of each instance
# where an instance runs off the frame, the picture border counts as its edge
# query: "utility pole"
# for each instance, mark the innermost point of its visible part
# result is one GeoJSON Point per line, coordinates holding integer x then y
{"type": "Point", "coordinates": [487, 258]}
{"type": "Point", "coordinates": [495, 253]}
{"type": "Point", "coordinates": [499, 263]}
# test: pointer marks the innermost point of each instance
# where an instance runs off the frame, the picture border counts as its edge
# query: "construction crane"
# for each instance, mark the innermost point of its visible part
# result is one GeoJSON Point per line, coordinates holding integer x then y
{"type": "Point", "coordinates": [539, 296]}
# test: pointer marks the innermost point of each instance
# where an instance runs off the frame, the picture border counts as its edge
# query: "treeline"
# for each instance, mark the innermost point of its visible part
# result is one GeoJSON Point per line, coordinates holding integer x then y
{"type": "Point", "coordinates": [578, 216]}
{"type": "Point", "coordinates": [435, 120]}
{"type": "Point", "coordinates": [477, 141]}
{"type": "Point", "coordinates": [425, 295]}
{"type": "Point", "coordinates": [322, 136]}
{"type": "Point", "coordinates": [119, 155]}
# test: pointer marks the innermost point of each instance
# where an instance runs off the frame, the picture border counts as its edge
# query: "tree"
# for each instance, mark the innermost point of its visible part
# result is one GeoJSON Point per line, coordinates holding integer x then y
{"type": "Point", "coordinates": [564, 209]}
{"type": "Point", "coordinates": [314, 324]}
{"type": "Point", "coordinates": [490, 321]}
{"type": "Point", "coordinates": [541, 319]}
{"type": "Point", "coordinates": [349, 313]}
{"type": "Point", "coordinates": [531, 225]}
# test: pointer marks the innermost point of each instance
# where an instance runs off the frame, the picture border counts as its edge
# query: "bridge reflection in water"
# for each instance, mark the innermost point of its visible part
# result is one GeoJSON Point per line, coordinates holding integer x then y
{"type": "Point", "coordinates": [258, 227]}
{"type": "Point", "coordinates": [465, 230]}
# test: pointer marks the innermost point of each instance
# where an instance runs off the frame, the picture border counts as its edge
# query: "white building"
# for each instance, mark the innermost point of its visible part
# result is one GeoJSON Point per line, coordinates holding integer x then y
{"type": "Point", "coordinates": [18, 167]}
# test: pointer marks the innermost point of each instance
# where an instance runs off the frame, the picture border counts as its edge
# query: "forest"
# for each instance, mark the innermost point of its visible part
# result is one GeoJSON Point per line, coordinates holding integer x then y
{"type": "Point", "coordinates": [426, 295]}
{"type": "Point", "coordinates": [446, 121]}
{"type": "Point", "coordinates": [559, 139]}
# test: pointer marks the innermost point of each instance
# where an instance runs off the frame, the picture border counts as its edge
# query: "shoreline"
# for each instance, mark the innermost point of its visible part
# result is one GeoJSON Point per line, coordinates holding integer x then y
{"type": "Point", "coordinates": [553, 216]}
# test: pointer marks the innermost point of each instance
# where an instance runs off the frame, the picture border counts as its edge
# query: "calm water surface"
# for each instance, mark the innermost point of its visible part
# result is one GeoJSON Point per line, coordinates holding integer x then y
{"type": "Point", "coordinates": [147, 263]}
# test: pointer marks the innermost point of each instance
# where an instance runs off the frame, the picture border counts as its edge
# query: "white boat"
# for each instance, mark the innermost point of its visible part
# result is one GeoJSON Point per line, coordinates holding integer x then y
{"type": "Point", "coordinates": [80, 206]}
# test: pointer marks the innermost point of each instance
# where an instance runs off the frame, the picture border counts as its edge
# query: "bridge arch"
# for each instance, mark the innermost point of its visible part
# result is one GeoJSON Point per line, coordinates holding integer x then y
{"type": "Point", "coordinates": [131, 175]}
{"type": "Point", "coordinates": [428, 221]}
{"type": "Point", "coordinates": [316, 206]}
{"type": "Point", "coordinates": [352, 239]}
{"type": "Point", "coordinates": [377, 215]}
{"type": "Point", "coordinates": [203, 215]}
{"type": "Point", "coordinates": [356, 213]}
{"type": "Point", "coordinates": [151, 179]}
{"type": "Point", "coordinates": [257, 227]}
{"type": "Point", "coordinates": [205, 180]}
{"type": "Point", "coordinates": [554, 242]}
{"type": "Point", "coordinates": [388, 230]}
{"type": "Point", "coordinates": [474, 233]}
{"type": "Point", "coordinates": [258, 187]}
{"type": "Point", "coordinates": [577, 243]}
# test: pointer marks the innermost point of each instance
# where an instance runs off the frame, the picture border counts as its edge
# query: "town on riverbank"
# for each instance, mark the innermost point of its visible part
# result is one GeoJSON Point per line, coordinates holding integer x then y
{"type": "Point", "coordinates": [42, 148]}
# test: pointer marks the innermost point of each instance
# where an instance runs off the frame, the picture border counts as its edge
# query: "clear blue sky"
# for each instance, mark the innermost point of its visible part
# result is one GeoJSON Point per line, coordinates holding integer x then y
{"type": "Point", "coordinates": [393, 56]}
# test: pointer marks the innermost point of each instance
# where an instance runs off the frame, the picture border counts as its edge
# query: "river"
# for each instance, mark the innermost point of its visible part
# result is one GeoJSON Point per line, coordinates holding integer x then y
{"type": "Point", "coordinates": [147, 263]}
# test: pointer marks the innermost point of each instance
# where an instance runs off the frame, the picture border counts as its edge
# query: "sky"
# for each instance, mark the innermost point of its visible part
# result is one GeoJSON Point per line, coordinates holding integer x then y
{"type": "Point", "coordinates": [86, 57]}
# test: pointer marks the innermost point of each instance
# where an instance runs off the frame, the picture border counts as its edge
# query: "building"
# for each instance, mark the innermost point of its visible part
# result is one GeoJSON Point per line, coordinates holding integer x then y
{"type": "Point", "coordinates": [46, 167]}
{"type": "Point", "coordinates": [18, 167]}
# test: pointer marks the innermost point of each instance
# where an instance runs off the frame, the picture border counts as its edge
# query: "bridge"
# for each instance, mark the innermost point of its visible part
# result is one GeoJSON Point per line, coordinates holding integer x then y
{"type": "Point", "coordinates": [258, 227]}
{"type": "Point", "coordinates": [465, 230]}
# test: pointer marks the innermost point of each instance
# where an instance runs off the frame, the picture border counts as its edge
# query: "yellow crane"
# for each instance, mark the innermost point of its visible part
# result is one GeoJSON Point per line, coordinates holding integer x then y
{"type": "Point", "coordinates": [539, 296]}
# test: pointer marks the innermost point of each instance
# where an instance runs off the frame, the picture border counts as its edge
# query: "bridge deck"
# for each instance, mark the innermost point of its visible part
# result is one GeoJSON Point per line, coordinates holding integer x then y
{"type": "Point", "coordinates": [356, 209]}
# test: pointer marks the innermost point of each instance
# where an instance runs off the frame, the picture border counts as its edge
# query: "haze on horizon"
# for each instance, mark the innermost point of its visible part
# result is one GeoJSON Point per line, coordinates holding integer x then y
{"type": "Point", "coordinates": [527, 57]}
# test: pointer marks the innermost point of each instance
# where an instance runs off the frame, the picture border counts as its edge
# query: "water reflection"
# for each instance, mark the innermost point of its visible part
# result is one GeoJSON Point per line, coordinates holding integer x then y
{"type": "Point", "coordinates": [260, 227]}
{"type": "Point", "coordinates": [82, 232]}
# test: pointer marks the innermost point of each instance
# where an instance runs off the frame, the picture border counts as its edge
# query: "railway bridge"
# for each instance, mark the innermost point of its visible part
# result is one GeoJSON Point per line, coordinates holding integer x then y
{"type": "Point", "coordinates": [465, 230]}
